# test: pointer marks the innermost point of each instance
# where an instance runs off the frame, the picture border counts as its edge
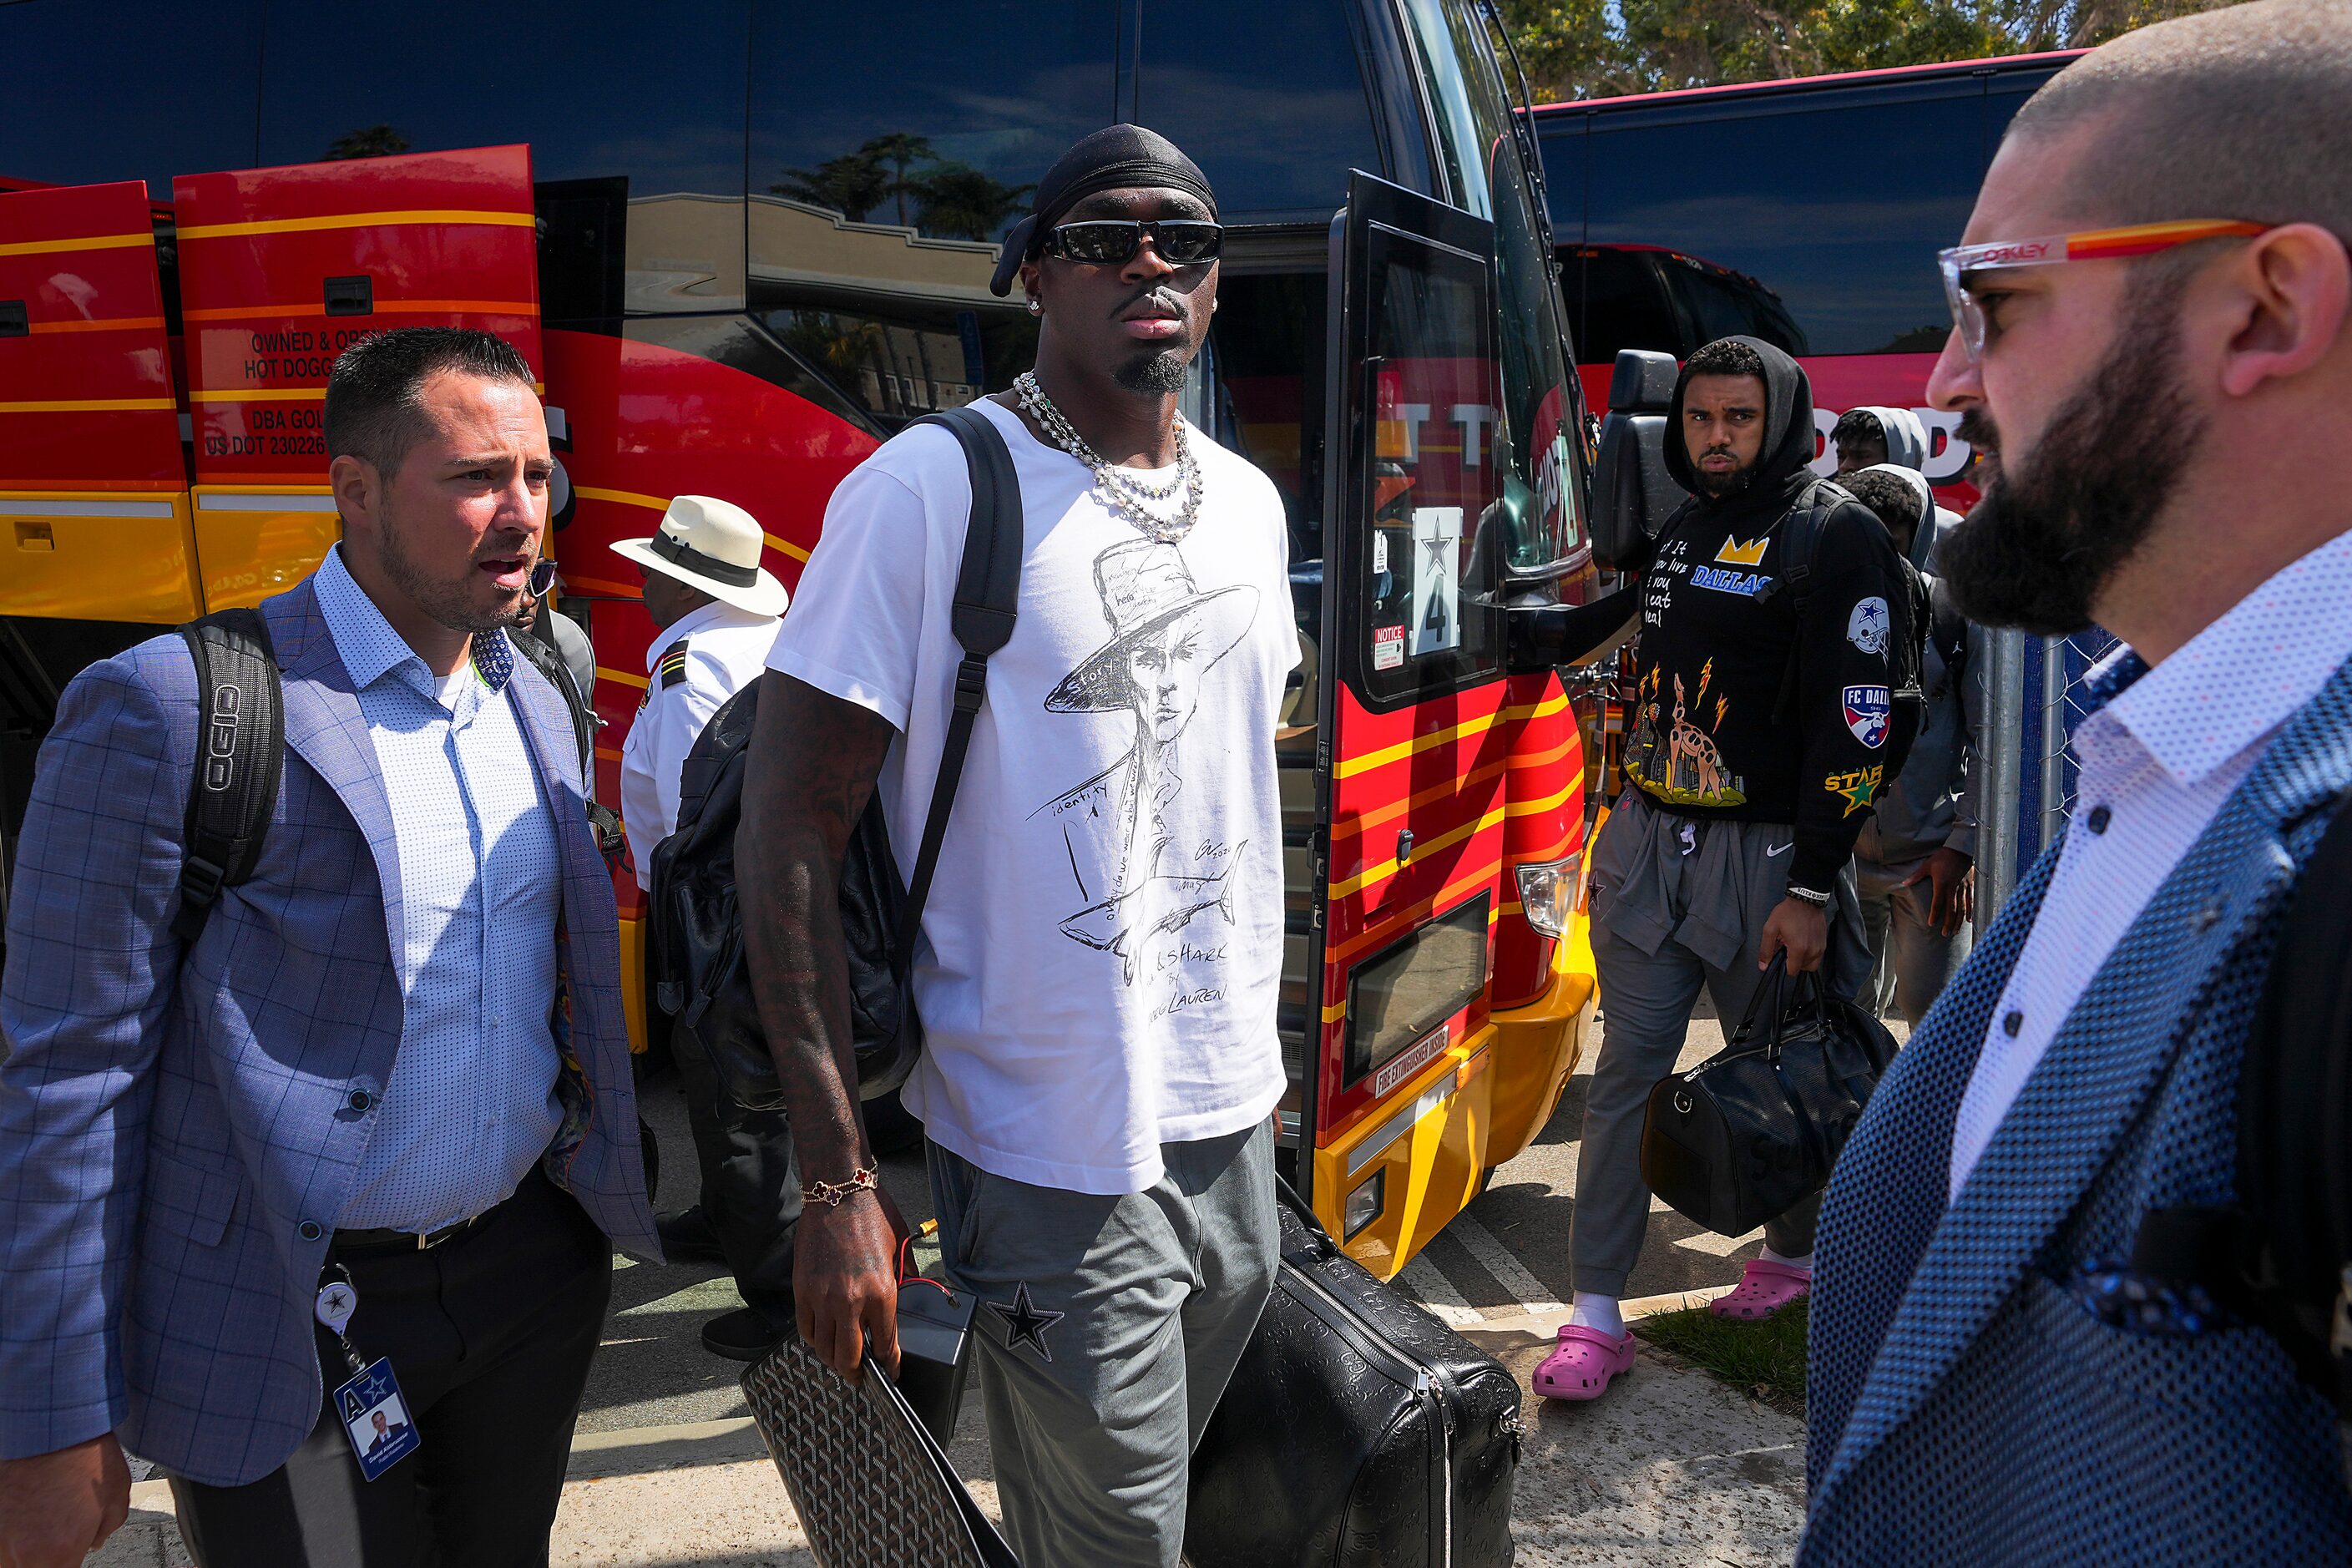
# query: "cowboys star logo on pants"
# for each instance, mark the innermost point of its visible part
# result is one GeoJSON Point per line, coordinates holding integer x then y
{"type": "Point", "coordinates": [1867, 711]}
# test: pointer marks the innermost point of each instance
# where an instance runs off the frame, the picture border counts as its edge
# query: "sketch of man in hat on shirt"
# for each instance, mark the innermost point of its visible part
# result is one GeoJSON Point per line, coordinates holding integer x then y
{"type": "Point", "coordinates": [1165, 636]}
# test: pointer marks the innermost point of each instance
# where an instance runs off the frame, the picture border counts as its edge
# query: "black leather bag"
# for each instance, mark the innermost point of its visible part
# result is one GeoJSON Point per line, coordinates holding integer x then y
{"type": "Point", "coordinates": [1357, 1431]}
{"type": "Point", "coordinates": [700, 977]}
{"type": "Point", "coordinates": [1754, 1129]}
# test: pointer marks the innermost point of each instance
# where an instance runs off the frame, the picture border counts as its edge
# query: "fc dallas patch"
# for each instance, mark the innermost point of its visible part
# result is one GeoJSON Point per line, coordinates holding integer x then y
{"type": "Point", "coordinates": [1867, 711]}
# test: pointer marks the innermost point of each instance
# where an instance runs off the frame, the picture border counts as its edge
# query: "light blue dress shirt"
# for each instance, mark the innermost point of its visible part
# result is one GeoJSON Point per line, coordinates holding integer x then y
{"type": "Point", "coordinates": [471, 1101]}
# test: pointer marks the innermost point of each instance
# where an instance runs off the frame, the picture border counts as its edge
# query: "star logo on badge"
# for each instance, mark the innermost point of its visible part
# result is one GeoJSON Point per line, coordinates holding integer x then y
{"type": "Point", "coordinates": [1025, 1322]}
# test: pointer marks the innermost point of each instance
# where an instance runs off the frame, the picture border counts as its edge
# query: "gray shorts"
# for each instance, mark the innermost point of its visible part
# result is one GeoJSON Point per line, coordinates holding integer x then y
{"type": "Point", "coordinates": [1107, 1329]}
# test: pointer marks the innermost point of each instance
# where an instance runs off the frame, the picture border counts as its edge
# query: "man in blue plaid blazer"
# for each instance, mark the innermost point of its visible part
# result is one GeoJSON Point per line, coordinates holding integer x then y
{"type": "Point", "coordinates": [2152, 347]}
{"type": "Point", "coordinates": [394, 1060]}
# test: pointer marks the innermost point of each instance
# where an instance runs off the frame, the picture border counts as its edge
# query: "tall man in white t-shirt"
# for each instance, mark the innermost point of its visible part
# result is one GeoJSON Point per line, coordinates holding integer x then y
{"type": "Point", "coordinates": [1101, 951]}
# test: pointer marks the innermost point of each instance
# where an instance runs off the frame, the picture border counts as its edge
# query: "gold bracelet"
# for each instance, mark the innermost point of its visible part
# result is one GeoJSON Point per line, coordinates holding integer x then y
{"type": "Point", "coordinates": [830, 1194]}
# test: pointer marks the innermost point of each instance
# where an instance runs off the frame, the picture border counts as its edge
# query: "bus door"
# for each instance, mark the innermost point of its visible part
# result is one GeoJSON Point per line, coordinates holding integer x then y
{"type": "Point", "coordinates": [1412, 734]}
{"type": "Point", "coordinates": [280, 270]}
{"type": "Point", "coordinates": [93, 492]}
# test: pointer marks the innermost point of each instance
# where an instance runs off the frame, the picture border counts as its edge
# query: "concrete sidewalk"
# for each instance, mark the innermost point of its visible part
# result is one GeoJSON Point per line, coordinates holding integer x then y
{"type": "Point", "coordinates": [1671, 1469]}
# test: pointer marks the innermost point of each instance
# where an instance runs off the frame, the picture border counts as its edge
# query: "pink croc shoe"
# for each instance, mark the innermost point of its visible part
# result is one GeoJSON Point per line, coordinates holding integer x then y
{"type": "Point", "coordinates": [1765, 1287]}
{"type": "Point", "coordinates": [1582, 1366]}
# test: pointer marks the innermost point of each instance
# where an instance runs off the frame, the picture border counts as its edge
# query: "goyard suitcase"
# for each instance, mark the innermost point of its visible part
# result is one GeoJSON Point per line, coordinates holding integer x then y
{"type": "Point", "coordinates": [872, 1488]}
{"type": "Point", "coordinates": [1358, 1432]}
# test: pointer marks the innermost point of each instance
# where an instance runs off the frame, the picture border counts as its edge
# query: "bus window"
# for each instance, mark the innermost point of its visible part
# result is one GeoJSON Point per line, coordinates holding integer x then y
{"type": "Point", "coordinates": [1536, 440]}
{"type": "Point", "coordinates": [1435, 482]}
{"type": "Point", "coordinates": [1794, 194]}
{"type": "Point", "coordinates": [602, 90]}
{"type": "Point", "coordinates": [1265, 95]}
{"type": "Point", "coordinates": [128, 91]}
{"type": "Point", "coordinates": [1720, 303]}
{"type": "Point", "coordinates": [874, 214]}
{"type": "Point", "coordinates": [1269, 342]}
{"type": "Point", "coordinates": [1618, 301]}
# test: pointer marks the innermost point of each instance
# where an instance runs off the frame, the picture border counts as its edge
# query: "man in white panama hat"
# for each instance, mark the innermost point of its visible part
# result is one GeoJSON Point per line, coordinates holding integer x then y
{"type": "Point", "coordinates": [715, 612]}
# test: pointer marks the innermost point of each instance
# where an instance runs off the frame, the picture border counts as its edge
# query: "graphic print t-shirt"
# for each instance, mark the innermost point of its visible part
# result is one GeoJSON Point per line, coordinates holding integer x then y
{"type": "Point", "coordinates": [1102, 949]}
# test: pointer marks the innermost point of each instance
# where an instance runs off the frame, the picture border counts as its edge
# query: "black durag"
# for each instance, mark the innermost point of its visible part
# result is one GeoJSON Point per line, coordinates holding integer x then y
{"type": "Point", "coordinates": [1111, 159]}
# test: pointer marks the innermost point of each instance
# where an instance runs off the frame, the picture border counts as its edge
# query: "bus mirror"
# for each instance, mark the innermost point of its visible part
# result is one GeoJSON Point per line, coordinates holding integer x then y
{"type": "Point", "coordinates": [1633, 494]}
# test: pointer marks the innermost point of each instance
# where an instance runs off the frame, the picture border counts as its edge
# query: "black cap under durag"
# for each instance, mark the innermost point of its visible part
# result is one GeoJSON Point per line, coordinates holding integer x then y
{"type": "Point", "coordinates": [1111, 159]}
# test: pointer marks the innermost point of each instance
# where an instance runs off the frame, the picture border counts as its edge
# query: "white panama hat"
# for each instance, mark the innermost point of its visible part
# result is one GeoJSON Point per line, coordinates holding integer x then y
{"type": "Point", "coordinates": [713, 545]}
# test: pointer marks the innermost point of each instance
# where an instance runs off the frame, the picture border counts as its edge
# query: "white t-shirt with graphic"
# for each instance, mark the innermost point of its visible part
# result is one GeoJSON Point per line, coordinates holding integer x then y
{"type": "Point", "coordinates": [1102, 948]}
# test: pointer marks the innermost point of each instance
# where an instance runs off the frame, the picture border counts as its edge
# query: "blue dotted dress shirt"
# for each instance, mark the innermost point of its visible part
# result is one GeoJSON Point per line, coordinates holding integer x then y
{"type": "Point", "coordinates": [471, 1101]}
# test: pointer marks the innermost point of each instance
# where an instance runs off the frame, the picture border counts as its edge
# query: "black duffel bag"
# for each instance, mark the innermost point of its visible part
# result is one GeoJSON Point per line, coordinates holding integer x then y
{"type": "Point", "coordinates": [1754, 1129]}
{"type": "Point", "coordinates": [1357, 1431]}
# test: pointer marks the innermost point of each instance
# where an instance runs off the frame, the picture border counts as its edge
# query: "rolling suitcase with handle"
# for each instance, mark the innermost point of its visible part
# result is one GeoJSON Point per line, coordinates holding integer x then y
{"type": "Point", "coordinates": [1357, 1431]}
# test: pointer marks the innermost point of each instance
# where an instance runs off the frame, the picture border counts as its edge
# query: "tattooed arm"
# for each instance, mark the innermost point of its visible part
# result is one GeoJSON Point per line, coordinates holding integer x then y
{"type": "Point", "coordinates": [811, 768]}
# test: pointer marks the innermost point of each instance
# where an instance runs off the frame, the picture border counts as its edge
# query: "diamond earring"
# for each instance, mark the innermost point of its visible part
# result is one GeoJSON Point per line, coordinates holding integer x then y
{"type": "Point", "coordinates": [1036, 308]}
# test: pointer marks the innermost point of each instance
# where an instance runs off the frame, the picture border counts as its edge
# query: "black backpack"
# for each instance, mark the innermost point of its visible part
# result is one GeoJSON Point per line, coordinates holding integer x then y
{"type": "Point", "coordinates": [241, 747]}
{"type": "Point", "coordinates": [2282, 1259]}
{"type": "Point", "coordinates": [1906, 637]}
{"type": "Point", "coordinates": [700, 978]}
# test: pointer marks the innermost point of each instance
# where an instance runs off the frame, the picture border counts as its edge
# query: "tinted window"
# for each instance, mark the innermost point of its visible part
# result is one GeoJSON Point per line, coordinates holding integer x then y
{"type": "Point", "coordinates": [1717, 303]}
{"type": "Point", "coordinates": [1268, 336]}
{"type": "Point", "coordinates": [1535, 440]}
{"type": "Point", "coordinates": [97, 90]}
{"type": "Point", "coordinates": [1265, 95]}
{"type": "Point", "coordinates": [880, 188]}
{"type": "Point", "coordinates": [1434, 481]}
{"type": "Point", "coordinates": [939, 123]}
{"type": "Point", "coordinates": [601, 89]}
{"type": "Point", "coordinates": [1617, 300]}
{"type": "Point", "coordinates": [1835, 207]}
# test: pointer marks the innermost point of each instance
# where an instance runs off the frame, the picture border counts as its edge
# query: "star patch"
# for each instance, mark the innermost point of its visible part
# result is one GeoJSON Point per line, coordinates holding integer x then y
{"type": "Point", "coordinates": [1025, 1322]}
{"type": "Point", "coordinates": [1856, 788]}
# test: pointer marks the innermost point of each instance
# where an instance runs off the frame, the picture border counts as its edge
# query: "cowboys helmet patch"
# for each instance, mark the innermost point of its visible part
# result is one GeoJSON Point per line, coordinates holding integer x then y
{"type": "Point", "coordinates": [1867, 627]}
{"type": "Point", "coordinates": [1867, 711]}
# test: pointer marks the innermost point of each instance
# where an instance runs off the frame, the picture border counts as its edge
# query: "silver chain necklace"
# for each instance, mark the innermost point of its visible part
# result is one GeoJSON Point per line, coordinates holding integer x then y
{"type": "Point", "coordinates": [1120, 489]}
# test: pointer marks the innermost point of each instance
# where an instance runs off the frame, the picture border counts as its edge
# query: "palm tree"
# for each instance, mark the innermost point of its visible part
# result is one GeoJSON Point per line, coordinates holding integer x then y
{"type": "Point", "coordinates": [901, 150]}
{"type": "Point", "coordinates": [370, 142]}
{"type": "Point", "coordinates": [852, 184]}
{"type": "Point", "coordinates": [960, 202]}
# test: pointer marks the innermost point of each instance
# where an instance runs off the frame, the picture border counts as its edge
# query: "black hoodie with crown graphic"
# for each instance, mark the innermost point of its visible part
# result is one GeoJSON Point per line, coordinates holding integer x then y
{"type": "Point", "coordinates": [1715, 637]}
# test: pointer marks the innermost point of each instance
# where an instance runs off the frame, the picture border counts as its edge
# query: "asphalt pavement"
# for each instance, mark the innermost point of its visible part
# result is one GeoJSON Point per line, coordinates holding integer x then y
{"type": "Point", "coordinates": [1672, 1468]}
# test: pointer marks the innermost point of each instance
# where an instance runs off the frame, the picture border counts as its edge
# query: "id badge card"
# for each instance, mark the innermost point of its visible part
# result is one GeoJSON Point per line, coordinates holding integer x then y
{"type": "Point", "coordinates": [377, 1419]}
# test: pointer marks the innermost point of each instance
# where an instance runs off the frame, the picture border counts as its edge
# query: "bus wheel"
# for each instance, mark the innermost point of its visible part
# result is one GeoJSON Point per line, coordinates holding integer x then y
{"type": "Point", "coordinates": [890, 1127]}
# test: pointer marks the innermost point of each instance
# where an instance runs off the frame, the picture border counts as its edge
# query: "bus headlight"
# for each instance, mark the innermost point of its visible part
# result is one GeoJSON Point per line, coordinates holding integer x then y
{"type": "Point", "coordinates": [1548, 893]}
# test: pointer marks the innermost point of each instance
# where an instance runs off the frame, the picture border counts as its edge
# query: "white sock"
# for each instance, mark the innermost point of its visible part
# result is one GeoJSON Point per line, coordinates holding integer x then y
{"type": "Point", "coordinates": [1805, 1262]}
{"type": "Point", "coordinates": [1591, 1311]}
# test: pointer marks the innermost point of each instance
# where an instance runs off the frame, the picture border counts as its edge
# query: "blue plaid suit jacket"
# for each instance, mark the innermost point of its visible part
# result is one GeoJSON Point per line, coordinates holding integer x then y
{"type": "Point", "coordinates": [176, 1133]}
{"type": "Point", "coordinates": [1962, 1403]}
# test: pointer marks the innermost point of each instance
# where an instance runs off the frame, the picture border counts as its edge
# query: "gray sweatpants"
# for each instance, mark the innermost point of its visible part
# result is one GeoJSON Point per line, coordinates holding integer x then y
{"type": "Point", "coordinates": [1107, 1329]}
{"type": "Point", "coordinates": [1676, 904]}
{"type": "Point", "coordinates": [1911, 961]}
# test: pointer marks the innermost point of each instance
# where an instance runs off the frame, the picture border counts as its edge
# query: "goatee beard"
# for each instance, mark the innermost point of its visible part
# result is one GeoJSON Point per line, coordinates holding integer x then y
{"type": "Point", "coordinates": [1715, 487]}
{"type": "Point", "coordinates": [1160, 371]}
{"type": "Point", "coordinates": [2050, 532]}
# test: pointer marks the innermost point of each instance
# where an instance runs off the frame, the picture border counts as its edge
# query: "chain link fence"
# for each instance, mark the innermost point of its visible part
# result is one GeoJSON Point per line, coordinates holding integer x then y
{"type": "Point", "coordinates": [2038, 699]}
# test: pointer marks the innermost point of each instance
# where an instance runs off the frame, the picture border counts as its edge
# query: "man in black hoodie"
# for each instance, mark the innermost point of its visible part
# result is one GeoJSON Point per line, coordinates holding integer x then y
{"type": "Point", "coordinates": [1759, 736]}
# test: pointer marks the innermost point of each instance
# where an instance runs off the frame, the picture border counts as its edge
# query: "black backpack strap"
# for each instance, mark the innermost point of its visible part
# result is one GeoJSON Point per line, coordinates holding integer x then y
{"type": "Point", "coordinates": [550, 663]}
{"type": "Point", "coordinates": [545, 658]}
{"type": "Point", "coordinates": [240, 752]}
{"type": "Point", "coordinates": [1801, 541]}
{"type": "Point", "coordinates": [986, 589]}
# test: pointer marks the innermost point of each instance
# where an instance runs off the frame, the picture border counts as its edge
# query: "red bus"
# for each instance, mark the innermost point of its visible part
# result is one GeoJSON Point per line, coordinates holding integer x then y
{"type": "Point", "coordinates": [1806, 213]}
{"type": "Point", "coordinates": [743, 242]}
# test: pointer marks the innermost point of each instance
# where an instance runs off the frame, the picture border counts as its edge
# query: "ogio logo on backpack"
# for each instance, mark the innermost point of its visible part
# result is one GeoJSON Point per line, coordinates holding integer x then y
{"type": "Point", "coordinates": [220, 741]}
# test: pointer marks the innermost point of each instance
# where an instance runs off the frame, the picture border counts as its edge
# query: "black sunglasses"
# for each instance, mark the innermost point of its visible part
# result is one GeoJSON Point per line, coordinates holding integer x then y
{"type": "Point", "coordinates": [1113, 242]}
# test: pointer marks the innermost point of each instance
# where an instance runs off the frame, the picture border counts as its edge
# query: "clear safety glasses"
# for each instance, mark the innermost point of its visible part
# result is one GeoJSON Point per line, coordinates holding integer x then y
{"type": "Point", "coordinates": [1960, 264]}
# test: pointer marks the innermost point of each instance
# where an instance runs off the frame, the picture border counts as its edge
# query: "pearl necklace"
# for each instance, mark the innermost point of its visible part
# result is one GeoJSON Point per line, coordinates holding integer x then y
{"type": "Point", "coordinates": [1120, 489]}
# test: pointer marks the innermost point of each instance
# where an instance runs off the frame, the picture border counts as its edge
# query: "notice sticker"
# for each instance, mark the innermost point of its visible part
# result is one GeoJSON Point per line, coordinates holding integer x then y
{"type": "Point", "coordinates": [1409, 1061]}
{"type": "Point", "coordinates": [1388, 647]}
